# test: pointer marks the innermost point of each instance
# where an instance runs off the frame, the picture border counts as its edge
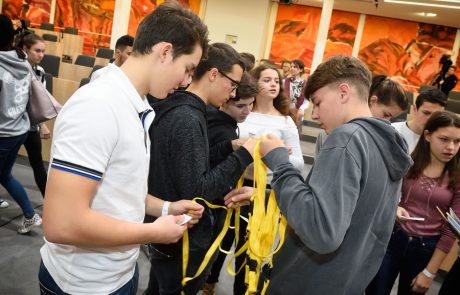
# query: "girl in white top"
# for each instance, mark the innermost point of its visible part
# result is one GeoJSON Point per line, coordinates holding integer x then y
{"type": "Point", "coordinates": [270, 114]}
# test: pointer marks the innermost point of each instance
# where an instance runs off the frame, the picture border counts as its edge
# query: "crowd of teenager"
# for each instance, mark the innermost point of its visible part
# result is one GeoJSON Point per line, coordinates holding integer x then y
{"type": "Point", "coordinates": [178, 118]}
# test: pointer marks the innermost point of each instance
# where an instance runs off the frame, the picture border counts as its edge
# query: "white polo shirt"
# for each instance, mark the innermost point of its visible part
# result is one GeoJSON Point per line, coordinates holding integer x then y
{"type": "Point", "coordinates": [99, 134]}
{"type": "Point", "coordinates": [410, 136]}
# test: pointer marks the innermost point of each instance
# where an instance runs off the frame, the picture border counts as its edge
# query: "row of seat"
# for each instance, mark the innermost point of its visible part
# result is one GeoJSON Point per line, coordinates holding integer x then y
{"type": "Point", "coordinates": [67, 30]}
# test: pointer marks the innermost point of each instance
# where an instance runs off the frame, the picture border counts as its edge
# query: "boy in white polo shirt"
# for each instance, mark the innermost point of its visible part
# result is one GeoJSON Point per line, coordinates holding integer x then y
{"type": "Point", "coordinates": [96, 197]}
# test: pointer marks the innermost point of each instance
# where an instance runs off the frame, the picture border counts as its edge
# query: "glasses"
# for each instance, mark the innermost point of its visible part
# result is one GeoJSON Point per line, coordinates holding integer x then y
{"type": "Point", "coordinates": [235, 84]}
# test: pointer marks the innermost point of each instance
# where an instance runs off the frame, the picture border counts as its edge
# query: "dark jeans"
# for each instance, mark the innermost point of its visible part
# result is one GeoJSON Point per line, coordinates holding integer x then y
{"type": "Point", "coordinates": [49, 287]}
{"type": "Point", "coordinates": [9, 147]}
{"type": "Point", "coordinates": [239, 287]}
{"type": "Point", "coordinates": [33, 145]}
{"type": "Point", "coordinates": [407, 256]}
{"type": "Point", "coordinates": [451, 284]}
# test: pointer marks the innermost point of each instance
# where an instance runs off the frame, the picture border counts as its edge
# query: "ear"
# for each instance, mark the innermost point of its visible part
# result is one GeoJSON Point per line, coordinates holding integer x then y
{"type": "Point", "coordinates": [117, 52]}
{"type": "Point", "coordinates": [163, 49]}
{"type": "Point", "coordinates": [345, 92]}
{"type": "Point", "coordinates": [212, 74]}
{"type": "Point", "coordinates": [427, 135]}
{"type": "Point", "coordinates": [374, 99]}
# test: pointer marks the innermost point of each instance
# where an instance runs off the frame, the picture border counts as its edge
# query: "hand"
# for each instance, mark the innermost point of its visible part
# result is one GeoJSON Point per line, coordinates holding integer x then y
{"type": "Point", "coordinates": [270, 143]}
{"type": "Point", "coordinates": [168, 230]}
{"type": "Point", "coordinates": [44, 131]}
{"type": "Point", "coordinates": [401, 212]}
{"type": "Point", "coordinates": [250, 144]}
{"type": "Point", "coordinates": [421, 283]}
{"type": "Point", "coordinates": [237, 143]}
{"type": "Point", "coordinates": [187, 207]}
{"type": "Point", "coordinates": [239, 197]}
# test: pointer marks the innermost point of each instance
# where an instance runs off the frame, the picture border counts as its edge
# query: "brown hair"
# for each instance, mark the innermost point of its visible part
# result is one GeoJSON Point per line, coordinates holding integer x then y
{"type": "Point", "coordinates": [388, 92]}
{"type": "Point", "coordinates": [339, 69]}
{"type": "Point", "coordinates": [422, 153]}
{"type": "Point", "coordinates": [171, 23]}
{"type": "Point", "coordinates": [281, 102]}
{"type": "Point", "coordinates": [246, 89]}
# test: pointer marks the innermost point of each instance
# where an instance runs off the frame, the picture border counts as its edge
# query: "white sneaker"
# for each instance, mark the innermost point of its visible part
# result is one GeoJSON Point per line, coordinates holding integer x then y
{"type": "Point", "coordinates": [27, 224]}
{"type": "Point", "coordinates": [4, 204]}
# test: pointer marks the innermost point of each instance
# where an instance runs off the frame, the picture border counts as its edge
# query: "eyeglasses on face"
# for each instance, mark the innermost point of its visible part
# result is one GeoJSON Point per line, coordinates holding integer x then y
{"type": "Point", "coordinates": [235, 84]}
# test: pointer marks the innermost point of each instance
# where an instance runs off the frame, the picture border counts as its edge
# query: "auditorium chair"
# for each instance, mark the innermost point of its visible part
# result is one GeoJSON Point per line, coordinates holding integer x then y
{"type": "Point", "coordinates": [51, 64]}
{"type": "Point", "coordinates": [50, 37]}
{"type": "Point", "coordinates": [47, 26]}
{"type": "Point", "coordinates": [104, 53]}
{"type": "Point", "coordinates": [85, 60]}
{"type": "Point", "coordinates": [70, 30]}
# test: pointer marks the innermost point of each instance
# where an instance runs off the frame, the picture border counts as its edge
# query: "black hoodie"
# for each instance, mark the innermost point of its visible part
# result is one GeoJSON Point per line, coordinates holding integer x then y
{"type": "Point", "coordinates": [179, 163]}
{"type": "Point", "coordinates": [222, 129]}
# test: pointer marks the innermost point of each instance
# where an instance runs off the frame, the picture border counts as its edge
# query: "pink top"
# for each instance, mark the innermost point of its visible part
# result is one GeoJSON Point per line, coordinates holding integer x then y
{"type": "Point", "coordinates": [420, 197]}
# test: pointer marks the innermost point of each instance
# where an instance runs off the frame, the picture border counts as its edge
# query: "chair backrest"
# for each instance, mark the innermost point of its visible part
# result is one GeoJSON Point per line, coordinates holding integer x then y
{"type": "Point", "coordinates": [95, 68]}
{"type": "Point", "coordinates": [50, 37]}
{"type": "Point", "coordinates": [105, 53]}
{"type": "Point", "coordinates": [454, 95]}
{"type": "Point", "coordinates": [47, 26]}
{"type": "Point", "coordinates": [84, 81]}
{"type": "Point", "coordinates": [49, 82]}
{"type": "Point", "coordinates": [50, 64]}
{"type": "Point", "coordinates": [70, 30]}
{"type": "Point", "coordinates": [85, 60]}
{"type": "Point", "coordinates": [425, 87]}
{"type": "Point", "coordinates": [453, 106]}
{"type": "Point", "coordinates": [27, 22]}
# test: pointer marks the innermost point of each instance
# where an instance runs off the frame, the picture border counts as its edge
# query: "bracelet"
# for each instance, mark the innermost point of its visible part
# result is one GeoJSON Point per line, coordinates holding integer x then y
{"type": "Point", "coordinates": [165, 209]}
{"type": "Point", "coordinates": [428, 274]}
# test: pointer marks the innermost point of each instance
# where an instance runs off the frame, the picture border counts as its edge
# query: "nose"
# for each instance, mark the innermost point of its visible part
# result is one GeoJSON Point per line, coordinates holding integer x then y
{"type": "Point", "coordinates": [187, 80]}
{"type": "Point", "coordinates": [450, 145]}
{"type": "Point", "coordinates": [314, 113]}
{"type": "Point", "coordinates": [233, 93]}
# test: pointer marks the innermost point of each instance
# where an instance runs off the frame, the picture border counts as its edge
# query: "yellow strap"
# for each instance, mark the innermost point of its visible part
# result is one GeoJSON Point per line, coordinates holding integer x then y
{"type": "Point", "coordinates": [215, 245]}
{"type": "Point", "coordinates": [264, 224]}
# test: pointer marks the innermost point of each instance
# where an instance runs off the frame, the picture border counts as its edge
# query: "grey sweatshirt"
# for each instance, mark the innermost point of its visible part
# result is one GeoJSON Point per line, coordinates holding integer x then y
{"type": "Point", "coordinates": [340, 219]}
{"type": "Point", "coordinates": [14, 94]}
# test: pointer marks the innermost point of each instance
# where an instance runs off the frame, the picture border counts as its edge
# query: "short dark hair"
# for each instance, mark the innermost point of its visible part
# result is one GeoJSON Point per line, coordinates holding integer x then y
{"type": "Point", "coordinates": [246, 89]}
{"type": "Point", "coordinates": [281, 102]}
{"type": "Point", "coordinates": [220, 56]}
{"type": "Point", "coordinates": [339, 69]}
{"type": "Point", "coordinates": [432, 95]}
{"type": "Point", "coordinates": [170, 22]}
{"type": "Point", "coordinates": [422, 151]}
{"type": "Point", "coordinates": [124, 41]}
{"type": "Point", "coordinates": [249, 60]}
{"type": "Point", "coordinates": [299, 64]}
{"type": "Point", "coordinates": [388, 92]}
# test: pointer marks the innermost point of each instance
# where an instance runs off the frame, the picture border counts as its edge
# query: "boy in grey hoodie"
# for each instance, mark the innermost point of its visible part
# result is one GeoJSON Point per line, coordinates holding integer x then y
{"type": "Point", "coordinates": [340, 219]}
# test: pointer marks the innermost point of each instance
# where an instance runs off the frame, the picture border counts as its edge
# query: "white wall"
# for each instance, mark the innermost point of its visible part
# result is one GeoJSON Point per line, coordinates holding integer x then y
{"type": "Point", "coordinates": [245, 19]}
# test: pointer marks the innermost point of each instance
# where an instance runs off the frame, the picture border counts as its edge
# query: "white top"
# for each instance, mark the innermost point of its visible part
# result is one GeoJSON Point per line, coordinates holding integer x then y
{"type": "Point", "coordinates": [99, 135]}
{"type": "Point", "coordinates": [410, 136]}
{"type": "Point", "coordinates": [258, 125]}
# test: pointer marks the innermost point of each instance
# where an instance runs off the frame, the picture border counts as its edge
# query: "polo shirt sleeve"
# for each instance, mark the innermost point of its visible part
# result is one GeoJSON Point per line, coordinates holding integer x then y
{"type": "Point", "coordinates": [85, 135]}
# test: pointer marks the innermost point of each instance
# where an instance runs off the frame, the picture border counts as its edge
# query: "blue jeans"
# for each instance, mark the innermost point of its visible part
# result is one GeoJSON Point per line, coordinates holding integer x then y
{"type": "Point", "coordinates": [9, 147]}
{"type": "Point", "coordinates": [407, 256]}
{"type": "Point", "coordinates": [49, 287]}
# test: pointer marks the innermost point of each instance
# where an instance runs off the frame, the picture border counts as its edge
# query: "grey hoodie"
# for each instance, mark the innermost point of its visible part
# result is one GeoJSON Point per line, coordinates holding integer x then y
{"type": "Point", "coordinates": [340, 219]}
{"type": "Point", "coordinates": [14, 94]}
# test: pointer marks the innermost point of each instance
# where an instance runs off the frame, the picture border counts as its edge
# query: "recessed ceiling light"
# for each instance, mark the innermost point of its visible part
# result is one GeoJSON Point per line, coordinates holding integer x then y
{"type": "Point", "coordinates": [426, 14]}
{"type": "Point", "coordinates": [425, 4]}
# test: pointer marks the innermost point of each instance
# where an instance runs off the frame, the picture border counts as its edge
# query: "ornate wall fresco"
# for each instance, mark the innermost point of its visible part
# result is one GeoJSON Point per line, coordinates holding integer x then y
{"type": "Point", "coordinates": [295, 33]}
{"type": "Point", "coordinates": [37, 11]}
{"type": "Point", "coordinates": [407, 51]}
{"type": "Point", "coordinates": [93, 18]}
{"type": "Point", "coordinates": [342, 33]}
{"type": "Point", "coordinates": [140, 8]}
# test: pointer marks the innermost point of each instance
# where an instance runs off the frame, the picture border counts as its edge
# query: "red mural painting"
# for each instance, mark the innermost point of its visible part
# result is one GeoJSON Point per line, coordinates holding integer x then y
{"type": "Point", "coordinates": [36, 11]}
{"type": "Point", "coordinates": [407, 51]}
{"type": "Point", "coordinates": [93, 18]}
{"type": "Point", "coordinates": [342, 33]}
{"type": "Point", "coordinates": [140, 8]}
{"type": "Point", "coordinates": [295, 33]}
